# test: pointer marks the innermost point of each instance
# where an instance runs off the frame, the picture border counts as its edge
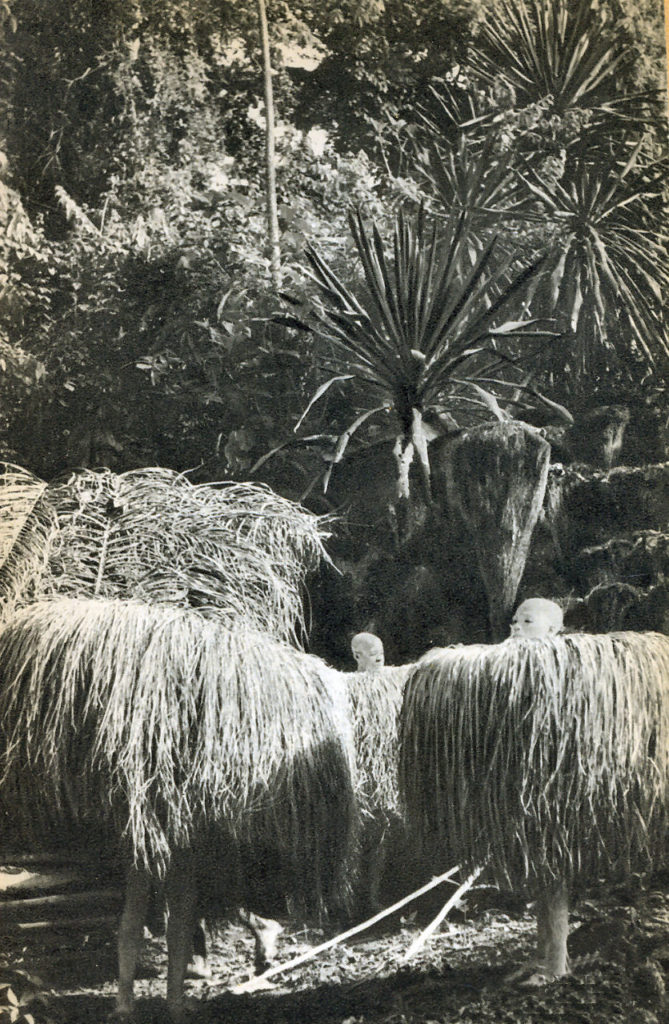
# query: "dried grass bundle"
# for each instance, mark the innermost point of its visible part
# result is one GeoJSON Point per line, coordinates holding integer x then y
{"type": "Point", "coordinates": [27, 522]}
{"type": "Point", "coordinates": [376, 698]}
{"type": "Point", "coordinates": [547, 759]}
{"type": "Point", "coordinates": [172, 725]}
{"type": "Point", "coordinates": [235, 550]}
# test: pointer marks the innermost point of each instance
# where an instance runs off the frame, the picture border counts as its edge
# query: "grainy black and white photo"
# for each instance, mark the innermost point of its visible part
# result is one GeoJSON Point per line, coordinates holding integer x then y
{"type": "Point", "coordinates": [334, 512]}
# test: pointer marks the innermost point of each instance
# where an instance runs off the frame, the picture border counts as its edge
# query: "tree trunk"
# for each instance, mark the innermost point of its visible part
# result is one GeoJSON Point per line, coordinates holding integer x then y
{"type": "Point", "coordinates": [552, 930]}
{"type": "Point", "coordinates": [270, 158]}
{"type": "Point", "coordinates": [404, 453]}
{"type": "Point", "coordinates": [410, 511]}
{"type": "Point", "coordinates": [496, 479]}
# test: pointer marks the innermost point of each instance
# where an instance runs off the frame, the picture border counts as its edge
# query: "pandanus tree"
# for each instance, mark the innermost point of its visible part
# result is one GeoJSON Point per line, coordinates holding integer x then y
{"type": "Point", "coordinates": [544, 76]}
{"type": "Point", "coordinates": [554, 50]}
{"type": "Point", "coordinates": [607, 267]}
{"type": "Point", "coordinates": [601, 225]}
{"type": "Point", "coordinates": [469, 179]}
{"type": "Point", "coordinates": [581, 179]}
{"type": "Point", "coordinates": [432, 329]}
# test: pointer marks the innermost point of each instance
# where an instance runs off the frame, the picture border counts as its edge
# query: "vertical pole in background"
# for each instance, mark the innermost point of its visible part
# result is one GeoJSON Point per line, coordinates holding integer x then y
{"type": "Point", "coordinates": [270, 159]}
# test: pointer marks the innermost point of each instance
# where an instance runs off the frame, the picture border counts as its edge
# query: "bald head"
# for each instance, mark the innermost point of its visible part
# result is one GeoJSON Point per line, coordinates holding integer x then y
{"type": "Point", "coordinates": [537, 617]}
{"type": "Point", "coordinates": [367, 649]}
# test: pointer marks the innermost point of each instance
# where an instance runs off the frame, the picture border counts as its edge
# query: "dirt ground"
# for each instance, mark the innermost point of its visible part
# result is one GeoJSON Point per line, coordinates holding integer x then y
{"type": "Point", "coordinates": [619, 945]}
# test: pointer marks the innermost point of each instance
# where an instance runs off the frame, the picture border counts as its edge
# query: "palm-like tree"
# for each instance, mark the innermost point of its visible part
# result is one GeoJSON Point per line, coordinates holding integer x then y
{"type": "Point", "coordinates": [607, 267]}
{"type": "Point", "coordinates": [592, 197]}
{"type": "Point", "coordinates": [551, 48]}
{"type": "Point", "coordinates": [428, 331]}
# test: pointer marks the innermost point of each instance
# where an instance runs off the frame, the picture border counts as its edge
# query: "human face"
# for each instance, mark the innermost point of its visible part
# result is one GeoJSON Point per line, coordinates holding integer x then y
{"type": "Point", "coordinates": [368, 655]}
{"type": "Point", "coordinates": [531, 621]}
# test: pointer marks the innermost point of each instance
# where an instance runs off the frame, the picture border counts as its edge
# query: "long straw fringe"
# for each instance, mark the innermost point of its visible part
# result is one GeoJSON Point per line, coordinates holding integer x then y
{"type": "Point", "coordinates": [376, 699]}
{"type": "Point", "coordinates": [546, 758]}
{"type": "Point", "coordinates": [169, 724]}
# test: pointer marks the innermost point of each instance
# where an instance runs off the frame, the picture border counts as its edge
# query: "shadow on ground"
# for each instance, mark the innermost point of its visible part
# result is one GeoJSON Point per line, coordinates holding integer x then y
{"type": "Point", "coordinates": [620, 950]}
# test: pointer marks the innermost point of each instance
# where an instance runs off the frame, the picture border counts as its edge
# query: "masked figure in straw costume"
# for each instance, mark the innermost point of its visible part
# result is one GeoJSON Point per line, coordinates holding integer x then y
{"type": "Point", "coordinates": [154, 701]}
{"type": "Point", "coordinates": [252, 756]}
{"type": "Point", "coordinates": [375, 693]}
{"type": "Point", "coordinates": [544, 758]}
{"type": "Point", "coordinates": [533, 619]}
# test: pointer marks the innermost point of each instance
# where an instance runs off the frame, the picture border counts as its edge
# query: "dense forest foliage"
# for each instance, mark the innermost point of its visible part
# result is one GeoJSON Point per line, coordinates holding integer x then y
{"type": "Point", "coordinates": [470, 203]}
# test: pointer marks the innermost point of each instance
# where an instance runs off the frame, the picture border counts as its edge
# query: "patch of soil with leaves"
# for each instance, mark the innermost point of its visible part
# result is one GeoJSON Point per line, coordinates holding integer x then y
{"type": "Point", "coordinates": [619, 948]}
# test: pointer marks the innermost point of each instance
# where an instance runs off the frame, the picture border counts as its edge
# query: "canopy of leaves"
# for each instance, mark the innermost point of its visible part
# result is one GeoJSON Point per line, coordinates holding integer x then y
{"type": "Point", "coordinates": [136, 324]}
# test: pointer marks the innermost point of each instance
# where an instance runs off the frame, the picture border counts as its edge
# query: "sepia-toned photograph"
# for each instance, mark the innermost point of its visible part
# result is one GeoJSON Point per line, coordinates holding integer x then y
{"type": "Point", "coordinates": [334, 512]}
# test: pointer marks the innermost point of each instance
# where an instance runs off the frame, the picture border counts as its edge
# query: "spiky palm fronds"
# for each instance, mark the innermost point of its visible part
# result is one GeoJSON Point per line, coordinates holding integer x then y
{"type": "Point", "coordinates": [235, 549]}
{"type": "Point", "coordinates": [559, 49]}
{"type": "Point", "coordinates": [427, 331]}
{"type": "Point", "coordinates": [26, 524]}
{"type": "Point", "coordinates": [376, 698]}
{"type": "Point", "coordinates": [452, 112]}
{"type": "Point", "coordinates": [544, 759]}
{"type": "Point", "coordinates": [172, 725]}
{"type": "Point", "coordinates": [608, 263]}
{"type": "Point", "coordinates": [473, 180]}
{"type": "Point", "coordinates": [429, 317]}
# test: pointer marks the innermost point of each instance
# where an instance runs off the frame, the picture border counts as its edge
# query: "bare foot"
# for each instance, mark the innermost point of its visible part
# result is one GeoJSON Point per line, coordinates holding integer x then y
{"type": "Point", "coordinates": [532, 975]}
{"type": "Point", "coordinates": [267, 933]}
{"type": "Point", "coordinates": [198, 968]}
{"type": "Point", "coordinates": [117, 1016]}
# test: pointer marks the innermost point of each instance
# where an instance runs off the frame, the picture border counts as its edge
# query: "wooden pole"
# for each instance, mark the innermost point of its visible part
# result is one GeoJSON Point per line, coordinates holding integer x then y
{"type": "Point", "coordinates": [432, 927]}
{"type": "Point", "coordinates": [270, 153]}
{"type": "Point", "coordinates": [261, 980]}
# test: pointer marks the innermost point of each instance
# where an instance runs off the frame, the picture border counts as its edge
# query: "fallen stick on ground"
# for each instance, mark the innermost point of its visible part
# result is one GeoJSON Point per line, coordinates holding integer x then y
{"type": "Point", "coordinates": [64, 905]}
{"type": "Point", "coordinates": [22, 880]}
{"type": "Point", "coordinates": [420, 941]}
{"type": "Point", "coordinates": [260, 981]}
{"type": "Point", "coordinates": [16, 859]}
{"type": "Point", "coordinates": [66, 922]}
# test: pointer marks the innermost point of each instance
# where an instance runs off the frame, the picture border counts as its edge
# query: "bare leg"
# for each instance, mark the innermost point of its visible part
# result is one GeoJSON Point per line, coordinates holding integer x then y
{"type": "Point", "coordinates": [371, 866]}
{"type": "Point", "coordinates": [552, 910]}
{"type": "Point", "coordinates": [552, 930]}
{"type": "Point", "coordinates": [266, 933]}
{"type": "Point", "coordinates": [182, 915]}
{"type": "Point", "coordinates": [130, 935]}
{"type": "Point", "coordinates": [371, 874]}
{"type": "Point", "coordinates": [198, 966]}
